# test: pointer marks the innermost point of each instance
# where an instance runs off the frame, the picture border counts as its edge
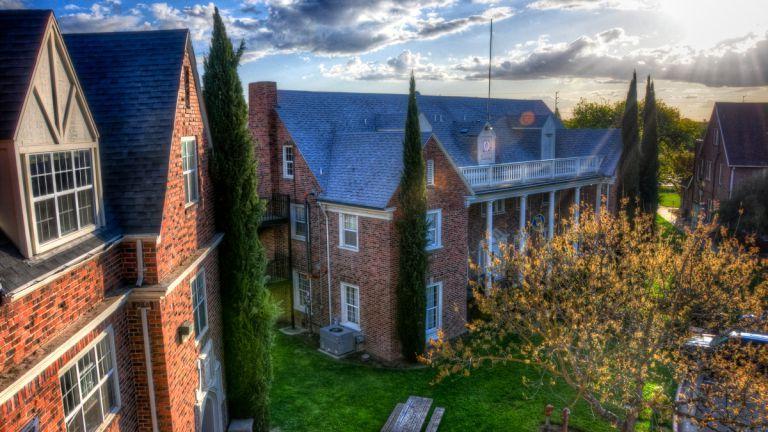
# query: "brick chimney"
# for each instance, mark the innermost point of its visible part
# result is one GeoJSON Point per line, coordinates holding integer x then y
{"type": "Point", "coordinates": [262, 121]}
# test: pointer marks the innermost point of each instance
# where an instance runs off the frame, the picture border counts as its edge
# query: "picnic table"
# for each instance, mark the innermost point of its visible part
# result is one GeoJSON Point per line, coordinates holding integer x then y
{"type": "Point", "coordinates": [411, 415]}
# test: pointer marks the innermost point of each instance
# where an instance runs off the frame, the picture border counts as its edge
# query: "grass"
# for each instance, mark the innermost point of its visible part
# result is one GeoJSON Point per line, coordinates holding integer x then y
{"type": "Point", "coordinates": [281, 293]}
{"type": "Point", "coordinates": [313, 392]}
{"type": "Point", "coordinates": [668, 197]}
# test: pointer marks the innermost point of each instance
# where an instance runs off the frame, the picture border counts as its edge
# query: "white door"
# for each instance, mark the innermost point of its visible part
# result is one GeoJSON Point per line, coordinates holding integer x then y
{"type": "Point", "coordinates": [434, 318]}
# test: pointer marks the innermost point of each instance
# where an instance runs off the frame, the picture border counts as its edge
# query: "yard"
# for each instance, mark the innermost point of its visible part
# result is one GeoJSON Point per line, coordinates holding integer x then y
{"type": "Point", "coordinates": [669, 197]}
{"type": "Point", "coordinates": [313, 392]}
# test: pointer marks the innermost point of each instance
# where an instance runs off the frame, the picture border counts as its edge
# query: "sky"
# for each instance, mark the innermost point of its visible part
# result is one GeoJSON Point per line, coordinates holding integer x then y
{"type": "Point", "coordinates": [697, 51]}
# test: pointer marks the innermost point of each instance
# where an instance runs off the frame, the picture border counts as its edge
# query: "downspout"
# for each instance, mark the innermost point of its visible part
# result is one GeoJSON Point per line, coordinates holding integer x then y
{"type": "Point", "coordinates": [328, 265]}
{"type": "Point", "coordinates": [730, 187]}
{"type": "Point", "coordinates": [309, 257]}
{"type": "Point", "coordinates": [148, 359]}
{"type": "Point", "coordinates": [139, 263]}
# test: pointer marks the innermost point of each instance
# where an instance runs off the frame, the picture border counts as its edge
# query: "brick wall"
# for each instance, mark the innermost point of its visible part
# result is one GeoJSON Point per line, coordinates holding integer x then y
{"type": "Point", "coordinates": [185, 228]}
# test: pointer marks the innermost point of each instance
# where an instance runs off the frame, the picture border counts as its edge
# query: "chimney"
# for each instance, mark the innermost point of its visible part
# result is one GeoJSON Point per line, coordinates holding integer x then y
{"type": "Point", "coordinates": [262, 122]}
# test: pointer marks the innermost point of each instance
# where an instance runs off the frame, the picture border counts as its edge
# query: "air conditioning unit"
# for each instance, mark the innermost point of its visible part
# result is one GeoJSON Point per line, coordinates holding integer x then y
{"type": "Point", "coordinates": [338, 340]}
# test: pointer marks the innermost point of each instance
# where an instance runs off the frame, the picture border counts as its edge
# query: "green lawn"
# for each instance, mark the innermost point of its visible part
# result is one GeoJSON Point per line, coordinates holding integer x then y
{"type": "Point", "coordinates": [668, 197]}
{"type": "Point", "coordinates": [313, 392]}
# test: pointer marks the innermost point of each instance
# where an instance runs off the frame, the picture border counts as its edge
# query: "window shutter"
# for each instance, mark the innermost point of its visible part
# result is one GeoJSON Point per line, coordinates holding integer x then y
{"type": "Point", "coordinates": [430, 172]}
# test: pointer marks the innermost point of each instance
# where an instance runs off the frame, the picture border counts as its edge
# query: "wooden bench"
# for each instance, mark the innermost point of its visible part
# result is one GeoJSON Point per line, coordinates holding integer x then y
{"type": "Point", "coordinates": [411, 416]}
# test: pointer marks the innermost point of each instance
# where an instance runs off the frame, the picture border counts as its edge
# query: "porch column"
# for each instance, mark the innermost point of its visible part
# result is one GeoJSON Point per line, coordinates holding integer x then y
{"type": "Point", "coordinates": [598, 198]}
{"type": "Point", "coordinates": [551, 226]}
{"type": "Point", "coordinates": [523, 201]}
{"type": "Point", "coordinates": [489, 243]}
{"type": "Point", "coordinates": [577, 202]}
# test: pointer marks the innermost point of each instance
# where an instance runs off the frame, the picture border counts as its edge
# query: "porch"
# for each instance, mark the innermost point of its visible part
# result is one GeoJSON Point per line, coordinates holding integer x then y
{"type": "Point", "coordinates": [483, 176]}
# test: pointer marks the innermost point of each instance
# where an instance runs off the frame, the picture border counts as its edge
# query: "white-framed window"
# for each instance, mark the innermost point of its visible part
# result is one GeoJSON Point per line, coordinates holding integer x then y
{"type": "Point", "coordinates": [301, 291]}
{"type": "Point", "coordinates": [61, 192]}
{"type": "Point", "coordinates": [348, 231]}
{"type": "Point", "coordinates": [430, 172]}
{"type": "Point", "coordinates": [89, 386]}
{"type": "Point", "coordinates": [716, 141]}
{"type": "Point", "coordinates": [350, 305]}
{"type": "Point", "coordinates": [434, 229]}
{"type": "Point", "coordinates": [288, 161]}
{"type": "Point", "coordinates": [434, 317]}
{"type": "Point", "coordinates": [709, 170]}
{"type": "Point", "coordinates": [720, 174]}
{"type": "Point", "coordinates": [31, 426]}
{"type": "Point", "coordinates": [299, 226]}
{"type": "Point", "coordinates": [499, 207]}
{"type": "Point", "coordinates": [199, 303]}
{"type": "Point", "coordinates": [189, 168]}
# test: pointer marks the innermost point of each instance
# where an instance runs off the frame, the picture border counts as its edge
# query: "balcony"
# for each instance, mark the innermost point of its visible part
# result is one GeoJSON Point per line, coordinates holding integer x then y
{"type": "Point", "coordinates": [277, 209]}
{"type": "Point", "coordinates": [531, 171]}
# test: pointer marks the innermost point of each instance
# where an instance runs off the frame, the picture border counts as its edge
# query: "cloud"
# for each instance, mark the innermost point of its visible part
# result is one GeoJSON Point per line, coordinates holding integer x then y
{"type": "Point", "coordinates": [734, 62]}
{"type": "Point", "coordinates": [103, 16]}
{"type": "Point", "coordinates": [592, 4]}
{"type": "Point", "coordinates": [12, 4]}
{"type": "Point", "coordinates": [395, 68]}
{"type": "Point", "coordinates": [350, 27]}
{"type": "Point", "coordinates": [197, 18]}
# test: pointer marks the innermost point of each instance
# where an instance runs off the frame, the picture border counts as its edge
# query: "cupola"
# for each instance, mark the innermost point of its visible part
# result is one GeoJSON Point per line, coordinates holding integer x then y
{"type": "Point", "coordinates": [486, 145]}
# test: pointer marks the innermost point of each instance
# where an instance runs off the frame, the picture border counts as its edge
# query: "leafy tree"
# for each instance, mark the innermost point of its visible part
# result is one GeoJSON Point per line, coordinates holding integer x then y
{"type": "Point", "coordinates": [412, 237]}
{"type": "Point", "coordinates": [594, 115]}
{"type": "Point", "coordinates": [611, 319]}
{"type": "Point", "coordinates": [649, 153]}
{"type": "Point", "coordinates": [628, 181]}
{"type": "Point", "coordinates": [249, 313]}
{"type": "Point", "coordinates": [747, 210]}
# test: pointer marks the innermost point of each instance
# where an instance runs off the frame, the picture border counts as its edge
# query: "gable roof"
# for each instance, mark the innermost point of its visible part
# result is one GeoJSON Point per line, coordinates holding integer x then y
{"type": "Point", "coordinates": [352, 142]}
{"type": "Point", "coordinates": [20, 40]}
{"type": "Point", "coordinates": [745, 132]}
{"type": "Point", "coordinates": [131, 82]}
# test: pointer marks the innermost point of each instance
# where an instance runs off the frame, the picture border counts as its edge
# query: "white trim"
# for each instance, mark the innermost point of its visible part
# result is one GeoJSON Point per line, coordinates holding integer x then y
{"type": "Point", "coordinates": [386, 214]}
{"type": "Point", "coordinates": [148, 365]}
{"type": "Point", "coordinates": [430, 172]}
{"type": "Point", "coordinates": [286, 175]}
{"type": "Point", "coordinates": [195, 170]}
{"type": "Point", "coordinates": [200, 276]}
{"type": "Point", "coordinates": [60, 350]}
{"type": "Point", "coordinates": [296, 284]}
{"type": "Point", "coordinates": [438, 229]}
{"type": "Point", "coordinates": [343, 230]}
{"type": "Point", "coordinates": [439, 307]}
{"type": "Point", "coordinates": [518, 192]}
{"type": "Point", "coordinates": [343, 292]}
{"type": "Point", "coordinates": [293, 221]}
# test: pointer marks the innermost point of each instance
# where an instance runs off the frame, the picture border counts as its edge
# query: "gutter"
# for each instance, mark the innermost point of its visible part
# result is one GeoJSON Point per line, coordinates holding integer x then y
{"type": "Point", "coordinates": [148, 363]}
{"type": "Point", "coordinates": [139, 263]}
{"type": "Point", "coordinates": [328, 265]}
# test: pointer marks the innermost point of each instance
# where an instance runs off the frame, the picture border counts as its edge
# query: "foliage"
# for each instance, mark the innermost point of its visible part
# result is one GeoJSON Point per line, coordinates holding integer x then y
{"type": "Point", "coordinates": [607, 306]}
{"type": "Point", "coordinates": [250, 313]}
{"type": "Point", "coordinates": [628, 178]}
{"type": "Point", "coordinates": [669, 197]}
{"type": "Point", "coordinates": [747, 210]}
{"type": "Point", "coordinates": [315, 393]}
{"type": "Point", "coordinates": [677, 135]}
{"type": "Point", "coordinates": [649, 153]}
{"type": "Point", "coordinates": [411, 228]}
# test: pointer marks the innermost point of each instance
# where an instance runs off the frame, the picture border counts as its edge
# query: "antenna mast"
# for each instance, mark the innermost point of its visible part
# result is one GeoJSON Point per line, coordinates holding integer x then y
{"type": "Point", "coordinates": [490, 60]}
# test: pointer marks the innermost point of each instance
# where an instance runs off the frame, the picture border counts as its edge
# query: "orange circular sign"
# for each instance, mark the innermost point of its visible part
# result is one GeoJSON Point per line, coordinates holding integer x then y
{"type": "Point", "coordinates": [527, 118]}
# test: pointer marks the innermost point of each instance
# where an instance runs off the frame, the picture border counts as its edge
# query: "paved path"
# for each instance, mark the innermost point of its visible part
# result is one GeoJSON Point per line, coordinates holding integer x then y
{"type": "Point", "coordinates": [669, 214]}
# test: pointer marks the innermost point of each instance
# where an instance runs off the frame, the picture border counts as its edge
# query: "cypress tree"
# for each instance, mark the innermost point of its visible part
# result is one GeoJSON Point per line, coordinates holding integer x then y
{"type": "Point", "coordinates": [248, 311]}
{"type": "Point", "coordinates": [628, 181]}
{"type": "Point", "coordinates": [412, 237]}
{"type": "Point", "coordinates": [649, 150]}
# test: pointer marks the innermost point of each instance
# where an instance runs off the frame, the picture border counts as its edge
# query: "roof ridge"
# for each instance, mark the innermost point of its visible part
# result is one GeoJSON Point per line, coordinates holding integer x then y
{"type": "Point", "coordinates": [405, 95]}
{"type": "Point", "coordinates": [153, 31]}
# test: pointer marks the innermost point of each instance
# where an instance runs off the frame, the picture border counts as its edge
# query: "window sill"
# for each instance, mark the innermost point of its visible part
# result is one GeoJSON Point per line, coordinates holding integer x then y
{"type": "Point", "coordinates": [434, 248]}
{"type": "Point", "coordinates": [285, 177]}
{"type": "Point", "coordinates": [351, 326]}
{"type": "Point", "coordinates": [191, 204]}
{"type": "Point", "coordinates": [199, 338]}
{"type": "Point", "coordinates": [349, 248]}
{"type": "Point", "coordinates": [298, 238]}
{"type": "Point", "coordinates": [108, 420]}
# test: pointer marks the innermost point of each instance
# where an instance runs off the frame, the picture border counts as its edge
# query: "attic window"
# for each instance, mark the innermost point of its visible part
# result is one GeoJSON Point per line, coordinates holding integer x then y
{"type": "Point", "coordinates": [61, 189]}
{"type": "Point", "coordinates": [187, 92]}
{"type": "Point", "coordinates": [430, 172]}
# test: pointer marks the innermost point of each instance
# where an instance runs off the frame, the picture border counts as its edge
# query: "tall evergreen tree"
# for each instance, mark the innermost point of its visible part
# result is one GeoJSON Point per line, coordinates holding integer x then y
{"type": "Point", "coordinates": [649, 151]}
{"type": "Point", "coordinates": [412, 235]}
{"type": "Point", "coordinates": [628, 181]}
{"type": "Point", "coordinates": [248, 311]}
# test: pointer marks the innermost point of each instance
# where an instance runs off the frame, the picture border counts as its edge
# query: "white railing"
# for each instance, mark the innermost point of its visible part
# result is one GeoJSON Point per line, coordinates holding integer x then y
{"type": "Point", "coordinates": [531, 171]}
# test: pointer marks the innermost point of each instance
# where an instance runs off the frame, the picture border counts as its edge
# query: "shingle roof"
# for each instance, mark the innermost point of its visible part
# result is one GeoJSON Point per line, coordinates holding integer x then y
{"type": "Point", "coordinates": [131, 82]}
{"type": "Point", "coordinates": [352, 142]}
{"type": "Point", "coordinates": [21, 33]}
{"type": "Point", "coordinates": [745, 132]}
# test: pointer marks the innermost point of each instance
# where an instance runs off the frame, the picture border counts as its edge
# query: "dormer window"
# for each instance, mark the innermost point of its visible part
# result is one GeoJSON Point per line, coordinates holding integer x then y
{"type": "Point", "coordinates": [62, 197]}
{"type": "Point", "coordinates": [486, 146]}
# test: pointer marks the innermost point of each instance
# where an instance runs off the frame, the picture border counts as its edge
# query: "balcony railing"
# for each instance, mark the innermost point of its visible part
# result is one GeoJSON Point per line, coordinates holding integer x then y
{"type": "Point", "coordinates": [277, 209]}
{"type": "Point", "coordinates": [531, 171]}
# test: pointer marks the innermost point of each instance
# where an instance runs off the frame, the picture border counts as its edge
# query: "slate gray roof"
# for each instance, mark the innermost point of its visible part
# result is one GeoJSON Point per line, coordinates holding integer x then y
{"type": "Point", "coordinates": [745, 132]}
{"type": "Point", "coordinates": [21, 33]}
{"type": "Point", "coordinates": [131, 80]}
{"type": "Point", "coordinates": [352, 142]}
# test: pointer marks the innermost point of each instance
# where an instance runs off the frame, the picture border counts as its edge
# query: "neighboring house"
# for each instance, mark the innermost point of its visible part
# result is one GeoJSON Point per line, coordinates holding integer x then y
{"type": "Point", "coordinates": [110, 304]}
{"type": "Point", "coordinates": [734, 148]}
{"type": "Point", "coordinates": [337, 157]}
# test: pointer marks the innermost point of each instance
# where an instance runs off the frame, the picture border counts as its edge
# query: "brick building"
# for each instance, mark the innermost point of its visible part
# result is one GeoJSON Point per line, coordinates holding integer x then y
{"type": "Point", "coordinates": [330, 165]}
{"type": "Point", "coordinates": [734, 149]}
{"type": "Point", "coordinates": [110, 314]}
